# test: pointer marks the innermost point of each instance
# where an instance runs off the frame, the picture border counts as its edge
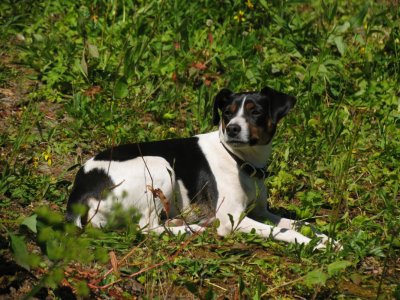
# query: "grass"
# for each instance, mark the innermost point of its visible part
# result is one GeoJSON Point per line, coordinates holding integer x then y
{"type": "Point", "coordinates": [77, 77]}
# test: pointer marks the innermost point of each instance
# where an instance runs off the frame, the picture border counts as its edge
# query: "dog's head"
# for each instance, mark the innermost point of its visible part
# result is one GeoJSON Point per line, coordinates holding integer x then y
{"type": "Point", "coordinates": [250, 118]}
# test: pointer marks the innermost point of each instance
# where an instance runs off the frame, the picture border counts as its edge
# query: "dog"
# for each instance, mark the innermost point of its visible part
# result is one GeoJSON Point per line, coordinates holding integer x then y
{"type": "Point", "coordinates": [216, 175]}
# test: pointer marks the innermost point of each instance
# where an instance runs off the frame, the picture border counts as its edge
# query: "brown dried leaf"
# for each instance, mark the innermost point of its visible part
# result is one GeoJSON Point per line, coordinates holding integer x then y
{"type": "Point", "coordinates": [114, 262]}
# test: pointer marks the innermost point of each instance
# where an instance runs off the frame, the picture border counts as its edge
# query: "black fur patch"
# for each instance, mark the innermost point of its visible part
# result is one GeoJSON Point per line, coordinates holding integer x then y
{"type": "Point", "coordinates": [184, 155]}
{"type": "Point", "coordinates": [87, 185]}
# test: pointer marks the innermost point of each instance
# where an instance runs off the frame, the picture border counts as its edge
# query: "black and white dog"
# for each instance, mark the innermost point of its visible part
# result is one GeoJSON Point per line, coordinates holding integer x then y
{"type": "Point", "coordinates": [221, 171]}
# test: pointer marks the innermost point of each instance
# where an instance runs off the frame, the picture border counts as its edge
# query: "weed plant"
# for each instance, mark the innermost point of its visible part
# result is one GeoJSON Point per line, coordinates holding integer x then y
{"type": "Point", "coordinates": [80, 76]}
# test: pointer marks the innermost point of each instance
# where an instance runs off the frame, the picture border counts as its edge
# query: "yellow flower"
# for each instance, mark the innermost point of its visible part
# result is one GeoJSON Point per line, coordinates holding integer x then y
{"type": "Point", "coordinates": [249, 4]}
{"type": "Point", "coordinates": [240, 16]}
{"type": "Point", "coordinates": [47, 157]}
{"type": "Point", "coordinates": [35, 160]}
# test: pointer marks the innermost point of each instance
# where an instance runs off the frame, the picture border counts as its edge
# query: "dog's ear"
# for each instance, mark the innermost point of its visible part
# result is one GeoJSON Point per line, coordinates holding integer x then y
{"type": "Point", "coordinates": [279, 103]}
{"type": "Point", "coordinates": [219, 101]}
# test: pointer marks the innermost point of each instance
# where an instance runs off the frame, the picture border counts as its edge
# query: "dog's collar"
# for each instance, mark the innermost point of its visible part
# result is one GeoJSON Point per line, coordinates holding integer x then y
{"type": "Point", "coordinates": [247, 167]}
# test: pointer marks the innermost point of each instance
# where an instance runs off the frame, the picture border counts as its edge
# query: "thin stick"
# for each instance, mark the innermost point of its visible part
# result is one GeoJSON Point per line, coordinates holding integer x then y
{"type": "Point", "coordinates": [282, 285]}
{"type": "Point", "coordinates": [215, 285]}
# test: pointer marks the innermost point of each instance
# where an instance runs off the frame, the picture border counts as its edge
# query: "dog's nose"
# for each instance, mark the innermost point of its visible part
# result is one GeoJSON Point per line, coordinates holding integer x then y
{"type": "Point", "coordinates": [233, 130]}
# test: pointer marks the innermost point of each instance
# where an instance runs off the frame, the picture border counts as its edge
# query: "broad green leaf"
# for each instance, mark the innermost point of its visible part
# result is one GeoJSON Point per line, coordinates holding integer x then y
{"type": "Point", "coordinates": [337, 266]}
{"type": "Point", "coordinates": [84, 66]}
{"type": "Point", "coordinates": [38, 37]}
{"type": "Point", "coordinates": [250, 76]}
{"type": "Point", "coordinates": [341, 46]}
{"type": "Point", "coordinates": [31, 223]}
{"type": "Point", "coordinates": [93, 51]}
{"type": "Point", "coordinates": [313, 122]}
{"type": "Point", "coordinates": [287, 152]}
{"type": "Point", "coordinates": [322, 69]}
{"type": "Point", "coordinates": [343, 28]}
{"type": "Point", "coordinates": [264, 4]}
{"type": "Point", "coordinates": [121, 88]}
{"type": "Point", "coordinates": [169, 116]}
{"type": "Point", "coordinates": [21, 254]}
{"type": "Point", "coordinates": [20, 251]}
{"type": "Point", "coordinates": [315, 277]}
{"type": "Point", "coordinates": [306, 230]}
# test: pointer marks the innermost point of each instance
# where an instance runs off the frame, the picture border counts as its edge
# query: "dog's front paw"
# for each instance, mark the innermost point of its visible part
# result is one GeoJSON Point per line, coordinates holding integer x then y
{"type": "Point", "coordinates": [320, 246]}
{"type": "Point", "coordinates": [325, 241]}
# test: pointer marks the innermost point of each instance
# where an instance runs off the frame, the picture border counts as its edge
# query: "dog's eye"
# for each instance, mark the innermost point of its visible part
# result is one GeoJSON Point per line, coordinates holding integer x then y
{"type": "Point", "coordinates": [227, 113]}
{"type": "Point", "coordinates": [256, 113]}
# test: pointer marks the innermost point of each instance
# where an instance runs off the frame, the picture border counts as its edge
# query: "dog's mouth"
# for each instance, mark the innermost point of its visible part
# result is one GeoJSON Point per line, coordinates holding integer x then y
{"type": "Point", "coordinates": [237, 143]}
{"type": "Point", "coordinates": [241, 143]}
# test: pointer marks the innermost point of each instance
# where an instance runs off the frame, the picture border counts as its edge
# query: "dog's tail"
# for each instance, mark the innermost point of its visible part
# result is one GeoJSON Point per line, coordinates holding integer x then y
{"type": "Point", "coordinates": [90, 185]}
